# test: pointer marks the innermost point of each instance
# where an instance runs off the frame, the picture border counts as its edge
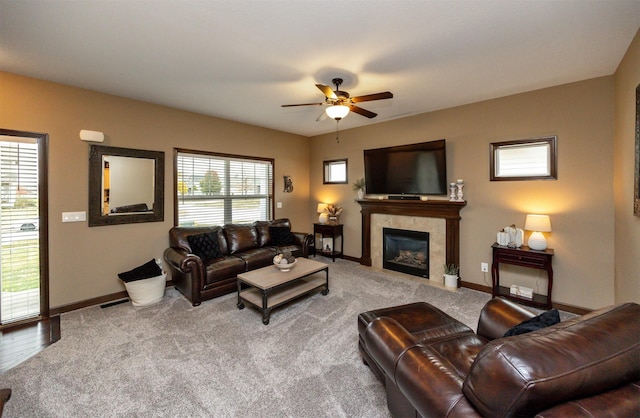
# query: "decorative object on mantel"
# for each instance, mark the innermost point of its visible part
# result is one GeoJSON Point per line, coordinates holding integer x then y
{"type": "Point", "coordinates": [324, 215]}
{"type": "Point", "coordinates": [538, 224]}
{"type": "Point", "coordinates": [452, 192]}
{"type": "Point", "coordinates": [451, 275]}
{"type": "Point", "coordinates": [334, 213]}
{"type": "Point", "coordinates": [460, 185]}
{"type": "Point", "coordinates": [358, 186]}
{"type": "Point", "coordinates": [514, 236]}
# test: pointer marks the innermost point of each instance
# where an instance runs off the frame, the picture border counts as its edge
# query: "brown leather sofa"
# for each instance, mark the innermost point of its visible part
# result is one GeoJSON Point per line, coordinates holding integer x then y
{"type": "Point", "coordinates": [434, 366]}
{"type": "Point", "coordinates": [5, 395]}
{"type": "Point", "coordinates": [242, 247]}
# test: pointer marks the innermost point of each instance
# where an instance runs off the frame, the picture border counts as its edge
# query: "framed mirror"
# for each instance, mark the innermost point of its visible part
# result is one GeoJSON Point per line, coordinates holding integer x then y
{"type": "Point", "coordinates": [524, 159]}
{"type": "Point", "coordinates": [125, 186]}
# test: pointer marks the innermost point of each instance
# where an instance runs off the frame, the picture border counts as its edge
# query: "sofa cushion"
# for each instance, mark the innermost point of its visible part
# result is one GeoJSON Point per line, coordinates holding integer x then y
{"type": "Point", "coordinates": [222, 269]}
{"type": "Point", "coordinates": [205, 246]}
{"type": "Point", "coordinates": [581, 357]}
{"type": "Point", "coordinates": [262, 228]}
{"type": "Point", "coordinates": [281, 235]}
{"type": "Point", "coordinates": [543, 320]}
{"type": "Point", "coordinates": [240, 237]}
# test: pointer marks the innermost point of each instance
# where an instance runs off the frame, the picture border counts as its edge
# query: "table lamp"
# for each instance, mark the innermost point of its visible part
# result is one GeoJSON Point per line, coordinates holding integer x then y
{"type": "Point", "coordinates": [322, 210]}
{"type": "Point", "coordinates": [538, 224]}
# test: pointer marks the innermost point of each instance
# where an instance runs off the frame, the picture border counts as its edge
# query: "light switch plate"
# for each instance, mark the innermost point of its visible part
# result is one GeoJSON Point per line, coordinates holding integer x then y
{"type": "Point", "coordinates": [279, 205]}
{"type": "Point", "coordinates": [74, 216]}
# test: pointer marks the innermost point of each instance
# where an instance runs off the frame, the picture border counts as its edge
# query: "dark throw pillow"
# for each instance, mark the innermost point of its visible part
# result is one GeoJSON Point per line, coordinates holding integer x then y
{"type": "Point", "coordinates": [149, 269]}
{"type": "Point", "coordinates": [281, 235]}
{"type": "Point", "coordinates": [543, 320]}
{"type": "Point", "coordinates": [205, 246]}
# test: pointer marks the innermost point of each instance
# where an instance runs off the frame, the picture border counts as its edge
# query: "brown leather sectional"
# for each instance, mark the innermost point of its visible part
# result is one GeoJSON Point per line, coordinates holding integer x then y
{"type": "Point", "coordinates": [434, 366]}
{"type": "Point", "coordinates": [244, 247]}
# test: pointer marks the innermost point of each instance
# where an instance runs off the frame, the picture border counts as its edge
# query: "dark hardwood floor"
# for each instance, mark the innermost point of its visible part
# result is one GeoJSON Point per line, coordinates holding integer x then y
{"type": "Point", "coordinates": [21, 342]}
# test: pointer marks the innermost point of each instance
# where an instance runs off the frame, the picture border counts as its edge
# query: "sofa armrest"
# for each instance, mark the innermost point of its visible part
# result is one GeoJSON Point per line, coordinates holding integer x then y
{"type": "Point", "coordinates": [621, 402]}
{"type": "Point", "coordinates": [498, 316]}
{"type": "Point", "coordinates": [187, 272]}
{"type": "Point", "coordinates": [425, 378]}
{"type": "Point", "coordinates": [305, 241]}
{"type": "Point", "coordinates": [431, 385]}
{"type": "Point", "coordinates": [386, 340]}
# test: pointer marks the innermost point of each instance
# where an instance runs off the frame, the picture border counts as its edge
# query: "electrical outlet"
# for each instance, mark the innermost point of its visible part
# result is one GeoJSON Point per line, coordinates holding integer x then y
{"type": "Point", "coordinates": [484, 267]}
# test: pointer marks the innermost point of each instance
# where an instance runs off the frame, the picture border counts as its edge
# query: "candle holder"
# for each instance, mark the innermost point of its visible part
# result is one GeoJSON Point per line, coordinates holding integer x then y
{"type": "Point", "coordinates": [452, 190]}
{"type": "Point", "coordinates": [460, 195]}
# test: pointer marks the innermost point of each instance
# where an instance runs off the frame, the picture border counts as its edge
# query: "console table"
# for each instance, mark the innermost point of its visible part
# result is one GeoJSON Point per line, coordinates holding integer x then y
{"type": "Point", "coordinates": [333, 231]}
{"type": "Point", "coordinates": [524, 257]}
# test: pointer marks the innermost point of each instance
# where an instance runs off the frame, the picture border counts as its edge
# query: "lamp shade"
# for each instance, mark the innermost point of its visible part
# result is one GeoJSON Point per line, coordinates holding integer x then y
{"type": "Point", "coordinates": [321, 207]}
{"type": "Point", "coordinates": [540, 223]}
{"type": "Point", "coordinates": [337, 112]}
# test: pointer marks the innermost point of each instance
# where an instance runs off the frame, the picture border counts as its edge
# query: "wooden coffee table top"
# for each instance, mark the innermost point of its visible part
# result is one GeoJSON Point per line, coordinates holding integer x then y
{"type": "Point", "coordinates": [270, 276]}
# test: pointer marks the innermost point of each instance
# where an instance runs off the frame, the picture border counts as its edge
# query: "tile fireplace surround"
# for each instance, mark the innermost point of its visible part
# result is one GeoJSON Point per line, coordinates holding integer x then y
{"type": "Point", "coordinates": [441, 218]}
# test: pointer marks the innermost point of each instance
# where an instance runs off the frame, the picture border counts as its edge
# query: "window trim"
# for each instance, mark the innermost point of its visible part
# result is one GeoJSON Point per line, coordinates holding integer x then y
{"type": "Point", "coordinates": [552, 158]}
{"type": "Point", "coordinates": [177, 151]}
{"type": "Point", "coordinates": [325, 171]}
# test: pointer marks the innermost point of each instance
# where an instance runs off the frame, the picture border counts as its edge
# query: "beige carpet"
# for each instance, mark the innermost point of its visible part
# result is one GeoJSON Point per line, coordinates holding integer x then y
{"type": "Point", "coordinates": [172, 359]}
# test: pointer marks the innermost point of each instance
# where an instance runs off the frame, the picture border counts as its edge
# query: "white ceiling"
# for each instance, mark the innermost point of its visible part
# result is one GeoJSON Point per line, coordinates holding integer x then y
{"type": "Point", "coordinates": [241, 60]}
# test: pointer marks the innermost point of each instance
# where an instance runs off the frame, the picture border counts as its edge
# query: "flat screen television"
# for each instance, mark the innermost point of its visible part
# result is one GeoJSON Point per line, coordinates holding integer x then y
{"type": "Point", "coordinates": [414, 169]}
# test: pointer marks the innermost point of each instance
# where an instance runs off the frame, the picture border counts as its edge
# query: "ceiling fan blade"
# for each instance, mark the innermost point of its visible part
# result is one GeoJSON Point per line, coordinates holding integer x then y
{"type": "Point", "coordinates": [322, 116]}
{"type": "Point", "coordinates": [326, 90]}
{"type": "Point", "coordinates": [370, 97]}
{"type": "Point", "coordinates": [303, 104]}
{"type": "Point", "coordinates": [363, 112]}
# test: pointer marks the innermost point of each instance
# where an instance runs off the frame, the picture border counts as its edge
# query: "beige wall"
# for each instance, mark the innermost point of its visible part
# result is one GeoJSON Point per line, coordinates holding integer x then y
{"type": "Point", "coordinates": [84, 261]}
{"type": "Point", "coordinates": [627, 226]}
{"type": "Point", "coordinates": [580, 202]}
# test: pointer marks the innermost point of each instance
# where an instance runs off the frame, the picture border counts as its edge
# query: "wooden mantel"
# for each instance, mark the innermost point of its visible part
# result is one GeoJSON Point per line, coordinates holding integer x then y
{"type": "Point", "coordinates": [448, 210]}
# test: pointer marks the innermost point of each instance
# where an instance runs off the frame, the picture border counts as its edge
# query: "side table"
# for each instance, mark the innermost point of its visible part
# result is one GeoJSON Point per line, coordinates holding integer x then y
{"type": "Point", "coordinates": [332, 231]}
{"type": "Point", "coordinates": [524, 257]}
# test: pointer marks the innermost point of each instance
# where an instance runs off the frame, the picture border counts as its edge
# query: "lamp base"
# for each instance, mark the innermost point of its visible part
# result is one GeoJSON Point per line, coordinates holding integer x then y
{"type": "Point", "coordinates": [323, 218]}
{"type": "Point", "coordinates": [537, 241]}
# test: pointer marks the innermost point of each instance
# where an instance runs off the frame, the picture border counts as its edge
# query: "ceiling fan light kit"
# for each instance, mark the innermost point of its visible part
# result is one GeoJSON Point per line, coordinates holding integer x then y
{"type": "Point", "coordinates": [340, 103]}
{"type": "Point", "coordinates": [337, 112]}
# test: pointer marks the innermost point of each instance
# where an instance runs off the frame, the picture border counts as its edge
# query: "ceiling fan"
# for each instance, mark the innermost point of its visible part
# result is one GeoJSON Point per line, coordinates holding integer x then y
{"type": "Point", "coordinates": [340, 103]}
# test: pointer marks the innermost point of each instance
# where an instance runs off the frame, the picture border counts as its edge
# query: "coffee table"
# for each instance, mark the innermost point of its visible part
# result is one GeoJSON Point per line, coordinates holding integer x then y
{"type": "Point", "coordinates": [268, 287]}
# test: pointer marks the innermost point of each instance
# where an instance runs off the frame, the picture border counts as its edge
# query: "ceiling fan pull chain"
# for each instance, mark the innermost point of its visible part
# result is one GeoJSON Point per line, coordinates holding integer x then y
{"type": "Point", "coordinates": [337, 131]}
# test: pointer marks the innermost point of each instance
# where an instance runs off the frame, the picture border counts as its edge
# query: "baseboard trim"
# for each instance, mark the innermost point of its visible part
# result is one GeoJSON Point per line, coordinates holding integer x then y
{"type": "Point", "coordinates": [100, 300]}
{"type": "Point", "coordinates": [560, 306]}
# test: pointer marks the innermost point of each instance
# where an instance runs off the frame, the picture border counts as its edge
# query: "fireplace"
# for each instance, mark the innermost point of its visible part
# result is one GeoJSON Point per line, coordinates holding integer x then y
{"type": "Point", "coordinates": [406, 251]}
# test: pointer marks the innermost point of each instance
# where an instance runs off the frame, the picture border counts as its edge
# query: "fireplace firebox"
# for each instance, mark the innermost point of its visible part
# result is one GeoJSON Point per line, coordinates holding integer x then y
{"type": "Point", "coordinates": [406, 251]}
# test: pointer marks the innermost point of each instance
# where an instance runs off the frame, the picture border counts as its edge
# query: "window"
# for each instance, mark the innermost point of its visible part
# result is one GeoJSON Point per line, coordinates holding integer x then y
{"type": "Point", "coordinates": [335, 172]}
{"type": "Point", "coordinates": [218, 189]}
{"type": "Point", "coordinates": [23, 226]}
{"type": "Point", "coordinates": [528, 159]}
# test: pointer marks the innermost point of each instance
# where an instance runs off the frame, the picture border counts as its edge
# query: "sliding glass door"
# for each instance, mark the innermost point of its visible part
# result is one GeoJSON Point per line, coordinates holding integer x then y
{"type": "Point", "coordinates": [23, 226]}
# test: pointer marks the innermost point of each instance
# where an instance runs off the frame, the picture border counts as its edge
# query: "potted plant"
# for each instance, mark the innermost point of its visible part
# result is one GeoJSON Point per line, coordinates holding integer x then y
{"type": "Point", "coordinates": [451, 275]}
{"type": "Point", "coordinates": [358, 186]}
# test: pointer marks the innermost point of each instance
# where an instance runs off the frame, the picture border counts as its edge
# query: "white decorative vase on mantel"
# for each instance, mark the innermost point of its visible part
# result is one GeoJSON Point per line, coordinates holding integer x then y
{"type": "Point", "coordinates": [360, 194]}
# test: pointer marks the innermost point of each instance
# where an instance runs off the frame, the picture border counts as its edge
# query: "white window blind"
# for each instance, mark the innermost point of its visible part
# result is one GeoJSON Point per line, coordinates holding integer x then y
{"type": "Point", "coordinates": [19, 236]}
{"type": "Point", "coordinates": [523, 160]}
{"type": "Point", "coordinates": [216, 189]}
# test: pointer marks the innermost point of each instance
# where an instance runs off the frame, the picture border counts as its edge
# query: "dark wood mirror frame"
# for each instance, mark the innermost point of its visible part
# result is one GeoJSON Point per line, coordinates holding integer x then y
{"type": "Point", "coordinates": [636, 184]}
{"type": "Point", "coordinates": [96, 218]}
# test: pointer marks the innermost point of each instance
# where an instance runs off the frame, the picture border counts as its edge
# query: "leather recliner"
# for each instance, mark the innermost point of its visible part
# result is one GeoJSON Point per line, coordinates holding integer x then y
{"type": "Point", "coordinates": [434, 366]}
